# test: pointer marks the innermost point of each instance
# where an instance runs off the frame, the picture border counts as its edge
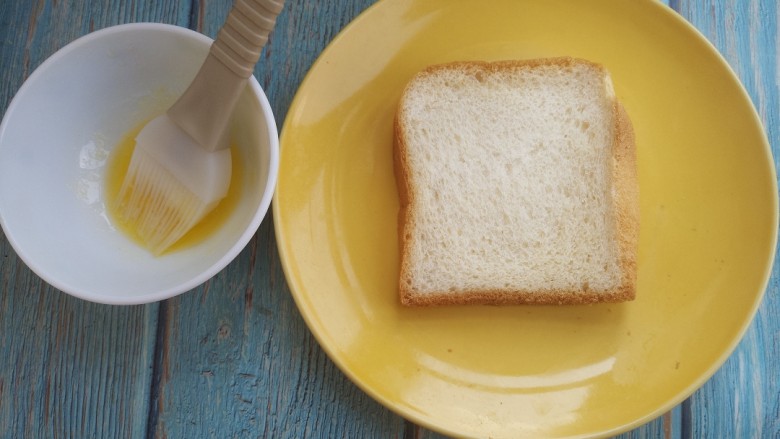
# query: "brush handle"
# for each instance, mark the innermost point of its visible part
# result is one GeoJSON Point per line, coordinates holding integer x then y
{"type": "Point", "coordinates": [204, 110]}
{"type": "Point", "coordinates": [245, 32]}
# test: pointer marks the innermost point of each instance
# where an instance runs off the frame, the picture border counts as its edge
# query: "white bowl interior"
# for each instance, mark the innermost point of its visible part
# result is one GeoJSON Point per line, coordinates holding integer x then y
{"type": "Point", "coordinates": [54, 141]}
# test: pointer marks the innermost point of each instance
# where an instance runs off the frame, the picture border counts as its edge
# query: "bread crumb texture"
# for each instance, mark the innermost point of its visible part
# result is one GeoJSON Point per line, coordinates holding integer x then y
{"type": "Point", "coordinates": [509, 192]}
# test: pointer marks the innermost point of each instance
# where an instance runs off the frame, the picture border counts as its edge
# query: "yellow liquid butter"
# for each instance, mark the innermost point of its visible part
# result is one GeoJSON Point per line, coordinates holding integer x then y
{"type": "Point", "coordinates": [116, 169]}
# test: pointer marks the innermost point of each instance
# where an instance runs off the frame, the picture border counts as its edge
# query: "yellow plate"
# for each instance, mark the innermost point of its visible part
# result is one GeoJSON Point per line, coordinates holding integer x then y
{"type": "Point", "coordinates": [708, 233]}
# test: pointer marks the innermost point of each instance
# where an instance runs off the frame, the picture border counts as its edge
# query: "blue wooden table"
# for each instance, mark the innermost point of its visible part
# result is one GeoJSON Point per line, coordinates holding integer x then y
{"type": "Point", "coordinates": [233, 358]}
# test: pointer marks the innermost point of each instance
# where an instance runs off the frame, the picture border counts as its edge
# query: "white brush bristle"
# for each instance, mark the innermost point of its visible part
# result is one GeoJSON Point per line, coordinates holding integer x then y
{"type": "Point", "coordinates": [159, 207]}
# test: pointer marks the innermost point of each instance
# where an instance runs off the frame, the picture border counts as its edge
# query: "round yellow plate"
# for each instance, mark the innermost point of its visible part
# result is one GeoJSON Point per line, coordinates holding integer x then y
{"type": "Point", "coordinates": [708, 224]}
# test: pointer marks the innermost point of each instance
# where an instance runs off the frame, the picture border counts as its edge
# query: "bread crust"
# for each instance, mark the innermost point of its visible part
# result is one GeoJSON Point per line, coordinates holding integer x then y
{"type": "Point", "coordinates": [626, 187]}
{"type": "Point", "coordinates": [625, 193]}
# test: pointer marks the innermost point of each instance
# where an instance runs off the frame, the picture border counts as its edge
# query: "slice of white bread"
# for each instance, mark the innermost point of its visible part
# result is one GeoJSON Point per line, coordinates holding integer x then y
{"type": "Point", "coordinates": [518, 184]}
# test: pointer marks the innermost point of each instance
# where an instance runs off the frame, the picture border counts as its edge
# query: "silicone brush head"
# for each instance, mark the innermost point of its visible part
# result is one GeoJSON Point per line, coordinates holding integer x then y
{"type": "Point", "coordinates": [181, 166]}
{"type": "Point", "coordinates": [171, 184]}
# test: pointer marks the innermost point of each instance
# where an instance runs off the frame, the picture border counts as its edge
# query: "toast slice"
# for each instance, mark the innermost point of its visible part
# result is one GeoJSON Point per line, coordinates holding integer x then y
{"type": "Point", "coordinates": [518, 184]}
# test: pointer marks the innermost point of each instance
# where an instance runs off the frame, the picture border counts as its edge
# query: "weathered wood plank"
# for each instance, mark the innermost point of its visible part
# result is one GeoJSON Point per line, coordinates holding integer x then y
{"type": "Point", "coordinates": [68, 368]}
{"type": "Point", "coordinates": [743, 398]}
{"type": "Point", "coordinates": [237, 360]}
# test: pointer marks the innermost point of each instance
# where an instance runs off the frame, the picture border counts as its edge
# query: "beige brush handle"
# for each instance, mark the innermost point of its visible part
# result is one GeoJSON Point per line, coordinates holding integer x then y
{"type": "Point", "coordinates": [204, 110]}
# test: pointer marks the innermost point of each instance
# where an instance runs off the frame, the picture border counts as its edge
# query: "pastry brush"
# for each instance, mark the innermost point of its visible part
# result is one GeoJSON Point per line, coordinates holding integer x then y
{"type": "Point", "coordinates": [181, 164]}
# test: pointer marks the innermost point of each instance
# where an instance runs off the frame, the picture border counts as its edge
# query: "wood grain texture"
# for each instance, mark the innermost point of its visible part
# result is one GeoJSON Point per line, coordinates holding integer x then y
{"type": "Point", "coordinates": [743, 398]}
{"type": "Point", "coordinates": [233, 358]}
{"type": "Point", "coordinates": [248, 366]}
{"type": "Point", "coordinates": [68, 368]}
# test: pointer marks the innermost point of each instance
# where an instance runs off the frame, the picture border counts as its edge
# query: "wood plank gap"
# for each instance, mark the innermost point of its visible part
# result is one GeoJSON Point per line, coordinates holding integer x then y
{"type": "Point", "coordinates": [161, 333]}
{"type": "Point", "coordinates": [411, 431]}
{"type": "Point", "coordinates": [31, 28]}
{"type": "Point", "coordinates": [686, 420]}
{"type": "Point", "coordinates": [193, 20]}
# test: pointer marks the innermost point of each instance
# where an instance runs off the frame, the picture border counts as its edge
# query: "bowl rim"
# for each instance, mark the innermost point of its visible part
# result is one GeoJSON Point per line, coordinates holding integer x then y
{"type": "Point", "coordinates": [257, 218]}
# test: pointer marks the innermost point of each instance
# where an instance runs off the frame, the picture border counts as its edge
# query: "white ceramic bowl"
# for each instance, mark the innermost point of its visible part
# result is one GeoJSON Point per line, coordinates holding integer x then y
{"type": "Point", "coordinates": [54, 140]}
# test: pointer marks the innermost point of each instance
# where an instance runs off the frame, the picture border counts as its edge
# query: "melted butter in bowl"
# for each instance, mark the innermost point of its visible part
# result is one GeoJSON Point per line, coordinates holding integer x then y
{"type": "Point", "coordinates": [116, 169]}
